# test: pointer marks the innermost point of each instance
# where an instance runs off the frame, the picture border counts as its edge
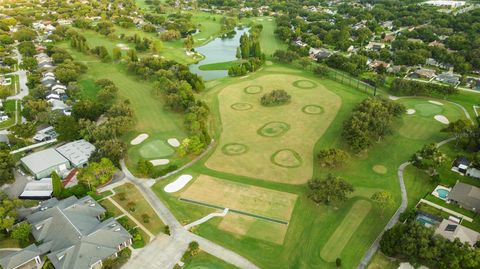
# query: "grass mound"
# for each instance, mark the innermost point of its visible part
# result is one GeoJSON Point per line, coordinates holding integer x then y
{"type": "Point", "coordinates": [287, 158]}
{"type": "Point", "coordinates": [253, 89]}
{"type": "Point", "coordinates": [155, 149]}
{"type": "Point", "coordinates": [233, 149]}
{"type": "Point", "coordinates": [379, 169]}
{"type": "Point", "coordinates": [313, 110]}
{"type": "Point", "coordinates": [304, 84]}
{"type": "Point", "coordinates": [273, 129]}
{"type": "Point", "coordinates": [241, 106]}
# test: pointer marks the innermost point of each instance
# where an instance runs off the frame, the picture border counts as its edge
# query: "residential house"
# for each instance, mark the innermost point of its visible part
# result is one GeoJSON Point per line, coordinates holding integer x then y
{"type": "Point", "coordinates": [389, 38]}
{"type": "Point", "coordinates": [460, 165]}
{"type": "Point", "coordinates": [415, 40]}
{"type": "Point", "coordinates": [320, 53]}
{"type": "Point", "coordinates": [377, 63]}
{"type": "Point", "coordinates": [70, 234]}
{"type": "Point", "coordinates": [465, 196]}
{"type": "Point", "coordinates": [375, 46]}
{"type": "Point", "coordinates": [423, 73]}
{"type": "Point", "coordinates": [452, 230]}
{"type": "Point", "coordinates": [449, 78]}
{"type": "Point", "coordinates": [387, 25]}
{"type": "Point", "coordinates": [436, 44]}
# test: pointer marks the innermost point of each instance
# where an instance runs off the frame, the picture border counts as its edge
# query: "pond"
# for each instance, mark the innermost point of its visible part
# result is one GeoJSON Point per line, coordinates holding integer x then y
{"type": "Point", "coordinates": [218, 51]}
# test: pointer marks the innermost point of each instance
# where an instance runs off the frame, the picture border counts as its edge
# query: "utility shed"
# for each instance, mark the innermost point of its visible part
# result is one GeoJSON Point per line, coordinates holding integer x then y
{"type": "Point", "coordinates": [42, 163]}
{"type": "Point", "coordinates": [77, 152]}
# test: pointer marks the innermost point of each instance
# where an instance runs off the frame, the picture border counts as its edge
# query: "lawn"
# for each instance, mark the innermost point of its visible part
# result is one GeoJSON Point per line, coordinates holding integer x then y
{"type": "Point", "coordinates": [275, 142]}
{"type": "Point", "coordinates": [268, 40]}
{"type": "Point", "coordinates": [131, 193]}
{"type": "Point", "coordinates": [310, 227]}
{"type": "Point", "coordinates": [10, 109]}
{"type": "Point", "coordinates": [110, 207]}
{"type": "Point", "coordinates": [206, 261]}
{"type": "Point", "coordinates": [218, 66]}
{"type": "Point", "coordinates": [380, 261]}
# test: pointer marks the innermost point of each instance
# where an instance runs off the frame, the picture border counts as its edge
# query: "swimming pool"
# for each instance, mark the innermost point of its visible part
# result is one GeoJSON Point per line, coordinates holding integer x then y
{"type": "Point", "coordinates": [442, 193]}
{"type": "Point", "coordinates": [426, 221]}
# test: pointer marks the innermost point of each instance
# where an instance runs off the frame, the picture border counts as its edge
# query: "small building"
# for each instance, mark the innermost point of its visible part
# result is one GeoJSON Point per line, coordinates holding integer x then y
{"type": "Point", "coordinates": [389, 38]}
{"type": "Point", "coordinates": [423, 72]}
{"type": "Point", "coordinates": [38, 189]}
{"type": "Point", "coordinates": [473, 172]}
{"type": "Point", "coordinates": [77, 152]}
{"type": "Point", "coordinates": [460, 165]}
{"type": "Point", "coordinates": [465, 196]}
{"type": "Point", "coordinates": [436, 44]}
{"type": "Point", "coordinates": [452, 230]}
{"type": "Point", "coordinates": [375, 46]}
{"type": "Point", "coordinates": [320, 53]}
{"type": "Point", "coordinates": [42, 163]}
{"type": "Point", "coordinates": [377, 63]}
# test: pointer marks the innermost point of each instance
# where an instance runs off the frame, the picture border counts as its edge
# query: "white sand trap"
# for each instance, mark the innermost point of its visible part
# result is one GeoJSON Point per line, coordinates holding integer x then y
{"type": "Point", "coordinates": [435, 102]}
{"type": "Point", "coordinates": [178, 184]}
{"type": "Point", "coordinates": [122, 46]}
{"type": "Point", "coordinates": [411, 111]}
{"type": "Point", "coordinates": [158, 162]}
{"type": "Point", "coordinates": [139, 139]}
{"type": "Point", "coordinates": [173, 142]}
{"type": "Point", "coordinates": [442, 119]}
{"type": "Point", "coordinates": [245, 76]}
{"type": "Point", "coordinates": [391, 97]}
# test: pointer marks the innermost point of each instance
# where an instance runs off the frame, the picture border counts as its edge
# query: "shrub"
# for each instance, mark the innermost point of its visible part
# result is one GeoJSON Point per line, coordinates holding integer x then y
{"type": "Point", "coordinates": [275, 97]}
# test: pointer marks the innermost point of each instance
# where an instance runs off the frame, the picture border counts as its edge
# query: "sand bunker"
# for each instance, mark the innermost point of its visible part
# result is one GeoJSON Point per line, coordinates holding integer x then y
{"type": "Point", "coordinates": [173, 142]}
{"type": "Point", "coordinates": [178, 184]}
{"type": "Point", "coordinates": [391, 97]}
{"type": "Point", "coordinates": [139, 139]}
{"type": "Point", "coordinates": [442, 119]}
{"type": "Point", "coordinates": [411, 111]}
{"type": "Point", "coordinates": [122, 46]}
{"type": "Point", "coordinates": [158, 162]}
{"type": "Point", "coordinates": [435, 102]}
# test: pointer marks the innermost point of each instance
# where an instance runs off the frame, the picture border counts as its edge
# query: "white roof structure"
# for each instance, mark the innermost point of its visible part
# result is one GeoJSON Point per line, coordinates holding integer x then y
{"type": "Point", "coordinates": [41, 160]}
{"type": "Point", "coordinates": [57, 104]}
{"type": "Point", "coordinates": [38, 189]}
{"type": "Point", "coordinates": [77, 152]}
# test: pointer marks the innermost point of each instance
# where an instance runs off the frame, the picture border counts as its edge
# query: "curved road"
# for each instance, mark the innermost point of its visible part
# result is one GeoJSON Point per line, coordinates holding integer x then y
{"type": "Point", "coordinates": [164, 252]}
{"type": "Point", "coordinates": [403, 206]}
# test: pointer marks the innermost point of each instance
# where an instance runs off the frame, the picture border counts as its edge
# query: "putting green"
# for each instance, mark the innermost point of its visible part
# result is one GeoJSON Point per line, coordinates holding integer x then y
{"type": "Point", "coordinates": [339, 239]}
{"type": "Point", "coordinates": [287, 158]}
{"type": "Point", "coordinates": [273, 129]}
{"type": "Point", "coordinates": [427, 109]}
{"type": "Point", "coordinates": [155, 149]}
{"type": "Point", "coordinates": [253, 89]}
{"type": "Point", "coordinates": [234, 149]}
{"type": "Point", "coordinates": [304, 84]}
{"type": "Point", "coordinates": [241, 106]}
{"type": "Point", "coordinates": [312, 109]}
{"type": "Point", "coordinates": [267, 130]}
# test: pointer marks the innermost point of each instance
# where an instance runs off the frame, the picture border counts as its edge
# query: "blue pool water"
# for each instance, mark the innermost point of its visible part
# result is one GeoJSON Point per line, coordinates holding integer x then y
{"type": "Point", "coordinates": [442, 193]}
{"type": "Point", "coordinates": [426, 221]}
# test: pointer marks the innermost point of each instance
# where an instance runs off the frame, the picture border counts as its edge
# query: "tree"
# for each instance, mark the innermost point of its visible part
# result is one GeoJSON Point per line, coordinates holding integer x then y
{"type": "Point", "coordinates": [331, 190]}
{"type": "Point", "coordinates": [29, 63]}
{"type": "Point", "coordinates": [144, 167]}
{"type": "Point", "coordinates": [97, 173]}
{"type": "Point", "coordinates": [338, 262]}
{"type": "Point", "coordinates": [4, 92]}
{"type": "Point", "coordinates": [383, 198]}
{"type": "Point", "coordinates": [132, 55]}
{"type": "Point", "coordinates": [21, 232]}
{"type": "Point", "coordinates": [460, 129]}
{"type": "Point", "coordinates": [275, 97]}
{"type": "Point", "coordinates": [116, 54]}
{"type": "Point", "coordinates": [56, 184]}
{"type": "Point", "coordinates": [429, 158]}
{"type": "Point", "coordinates": [188, 42]}
{"type": "Point", "coordinates": [7, 163]}
{"type": "Point", "coordinates": [332, 158]}
{"type": "Point", "coordinates": [190, 145]}
{"type": "Point", "coordinates": [67, 128]}
{"type": "Point", "coordinates": [8, 211]}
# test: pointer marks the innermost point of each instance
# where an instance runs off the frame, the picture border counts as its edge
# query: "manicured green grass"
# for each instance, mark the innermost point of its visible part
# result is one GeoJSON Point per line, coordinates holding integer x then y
{"type": "Point", "coordinates": [380, 261]}
{"type": "Point", "coordinates": [110, 207]}
{"type": "Point", "coordinates": [155, 149]}
{"type": "Point", "coordinates": [339, 239]}
{"type": "Point", "coordinates": [7, 242]}
{"type": "Point", "coordinates": [312, 226]}
{"type": "Point", "coordinates": [206, 261]}
{"type": "Point", "coordinates": [268, 40]}
{"type": "Point", "coordinates": [218, 66]}
{"type": "Point", "coordinates": [155, 225]}
{"type": "Point", "coordinates": [418, 184]}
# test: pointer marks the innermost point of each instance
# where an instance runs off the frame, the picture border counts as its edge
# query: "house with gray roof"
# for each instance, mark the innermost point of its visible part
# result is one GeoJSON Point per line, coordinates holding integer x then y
{"type": "Point", "coordinates": [466, 196]}
{"type": "Point", "coordinates": [71, 235]}
{"type": "Point", "coordinates": [28, 257]}
{"type": "Point", "coordinates": [42, 163]}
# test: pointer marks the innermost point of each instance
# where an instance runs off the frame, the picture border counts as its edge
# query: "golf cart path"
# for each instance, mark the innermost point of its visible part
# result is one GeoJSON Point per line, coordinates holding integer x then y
{"type": "Point", "coordinates": [403, 206]}
{"type": "Point", "coordinates": [207, 218]}
{"type": "Point", "coordinates": [164, 252]}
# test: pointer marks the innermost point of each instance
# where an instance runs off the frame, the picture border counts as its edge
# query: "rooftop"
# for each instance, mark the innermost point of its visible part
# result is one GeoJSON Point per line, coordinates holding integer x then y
{"type": "Point", "coordinates": [451, 230]}
{"type": "Point", "coordinates": [77, 152]}
{"type": "Point", "coordinates": [41, 160]}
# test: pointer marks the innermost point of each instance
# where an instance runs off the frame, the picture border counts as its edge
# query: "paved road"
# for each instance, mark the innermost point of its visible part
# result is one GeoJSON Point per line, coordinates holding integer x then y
{"type": "Point", "coordinates": [22, 78]}
{"type": "Point", "coordinates": [165, 253]}
{"type": "Point", "coordinates": [403, 206]}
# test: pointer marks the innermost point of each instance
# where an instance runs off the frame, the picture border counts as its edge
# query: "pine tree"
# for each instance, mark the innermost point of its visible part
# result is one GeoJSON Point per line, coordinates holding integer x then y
{"type": "Point", "coordinates": [56, 184]}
